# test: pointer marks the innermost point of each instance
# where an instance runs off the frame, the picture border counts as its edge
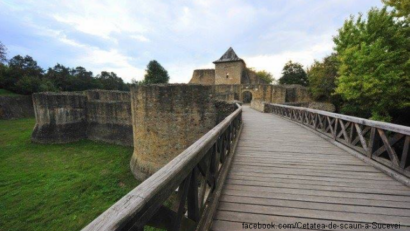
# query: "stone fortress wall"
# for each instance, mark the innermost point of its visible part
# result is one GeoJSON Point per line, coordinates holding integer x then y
{"type": "Point", "coordinates": [106, 115]}
{"type": "Point", "coordinates": [60, 117]}
{"type": "Point", "coordinates": [160, 121]}
{"type": "Point", "coordinates": [16, 107]}
{"type": "Point", "coordinates": [263, 92]}
{"type": "Point", "coordinates": [71, 116]}
{"type": "Point", "coordinates": [169, 118]}
{"type": "Point", "coordinates": [203, 76]}
{"type": "Point", "coordinates": [109, 117]}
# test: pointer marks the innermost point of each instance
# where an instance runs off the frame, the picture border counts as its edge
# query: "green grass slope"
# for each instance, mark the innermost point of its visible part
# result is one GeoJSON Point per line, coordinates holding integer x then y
{"type": "Point", "coordinates": [4, 92]}
{"type": "Point", "coordinates": [57, 187]}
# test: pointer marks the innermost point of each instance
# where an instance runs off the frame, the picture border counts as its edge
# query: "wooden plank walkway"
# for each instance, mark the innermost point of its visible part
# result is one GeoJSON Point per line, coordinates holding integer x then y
{"type": "Point", "coordinates": [284, 173]}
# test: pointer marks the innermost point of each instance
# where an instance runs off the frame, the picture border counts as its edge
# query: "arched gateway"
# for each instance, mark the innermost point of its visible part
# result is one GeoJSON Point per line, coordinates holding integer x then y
{"type": "Point", "coordinates": [246, 97]}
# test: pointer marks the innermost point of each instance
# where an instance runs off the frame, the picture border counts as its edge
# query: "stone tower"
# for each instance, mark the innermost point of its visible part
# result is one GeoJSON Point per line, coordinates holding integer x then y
{"type": "Point", "coordinates": [229, 69]}
{"type": "Point", "coordinates": [167, 119]}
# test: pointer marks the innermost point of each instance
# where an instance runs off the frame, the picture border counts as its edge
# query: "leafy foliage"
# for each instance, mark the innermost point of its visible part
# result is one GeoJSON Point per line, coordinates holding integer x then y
{"type": "Point", "coordinates": [3, 75]}
{"type": "Point", "coordinates": [3, 53]}
{"type": "Point", "coordinates": [60, 75]}
{"type": "Point", "coordinates": [155, 73]}
{"type": "Point", "coordinates": [30, 84]}
{"type": "Point", "coordinates": [84, 80]}
{"type": "Point", "coordinates": [265, 76]}
{"type": "Point", "coordinates": [293, 73]}
{"type": "Point", "coordinates": [322, 77]}
{"type": "Point", "coordinates": [374, 55]}
{"type": "Point", "coordinates": [4, 92]}
{"type": "Point", "coordinates": [402, 7]}
{"type": "Point", "coordinates": [75, 79]}
{"type": "Point", "coordinates": [110, 81]}
{"type": "Point", "coordinates": [18, 67]}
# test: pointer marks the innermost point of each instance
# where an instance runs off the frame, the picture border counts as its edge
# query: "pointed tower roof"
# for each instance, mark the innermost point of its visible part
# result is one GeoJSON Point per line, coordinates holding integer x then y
{"type": "Point", "coordinates": [229, 56]}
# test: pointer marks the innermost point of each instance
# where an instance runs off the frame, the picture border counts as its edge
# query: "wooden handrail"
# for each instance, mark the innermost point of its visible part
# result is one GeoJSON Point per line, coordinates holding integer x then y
{"type": "Point", "coordinates": [383, 142]}
{"type": "Point", "coordinates": [377, 124]}
{"type": "Point", "coordinates": [194, 172]}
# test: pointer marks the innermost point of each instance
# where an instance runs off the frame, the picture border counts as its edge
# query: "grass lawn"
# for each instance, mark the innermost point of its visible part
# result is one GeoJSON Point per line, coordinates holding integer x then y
{"type": "Point", "coordinates": [57, 187]}
{"type": "Point", "coordinates": [4, 92]}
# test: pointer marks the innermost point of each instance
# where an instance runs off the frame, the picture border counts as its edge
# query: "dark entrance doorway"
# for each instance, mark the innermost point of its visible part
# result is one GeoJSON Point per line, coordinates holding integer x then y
{"type": "Point", "coordinates": [290, 95]}
{"type": "Point", "coordinates": [246, 97]}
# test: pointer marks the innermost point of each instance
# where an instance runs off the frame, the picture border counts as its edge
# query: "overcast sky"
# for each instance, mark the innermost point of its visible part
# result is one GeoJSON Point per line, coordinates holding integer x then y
{"type": "Point", "coordinates": [123, 36]}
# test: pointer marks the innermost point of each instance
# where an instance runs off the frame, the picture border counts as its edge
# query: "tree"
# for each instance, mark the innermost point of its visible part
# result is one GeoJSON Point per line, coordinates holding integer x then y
{"type": "Point", "coordinates": [322, 77]}
{"type": "Point", "coordinates": [155, 73]}
{"type": "Point", "coordinates": [110, 81]}
{"type": "Point", "coordinates": [72, 79]}
{"type": "Point", "coordinates": [20, 66]}
{"type": "Point", "coordinates": [83, 80]}
{"type": "Point", "coordinates": [60, 76]}
{"type": "Point", "coordinates": [293, 73]}
{"type": "Point", "coordinates": [31, 84]}
{"type": "Point", "coordinates": [3, 53]}
{"type": "Point", "coordinates": [265, 76]}
{"type": "Point", "coordinates": [136, 82]}
{"type": "Point", "coordinates": [402, 7]}
{"type": "Point", "coordinates": [3, 75]}
{"type": "Point", "coordinates": [26, 65]}
{"type": "Point", "coordinates": [374, 70]}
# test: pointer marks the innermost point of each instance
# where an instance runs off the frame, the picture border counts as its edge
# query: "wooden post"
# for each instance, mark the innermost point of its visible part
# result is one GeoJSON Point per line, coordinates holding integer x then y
{"type": "Point", "coordinates": [182, 195]}
{"type": "Point", "coordinates": [372, 142]}
{"type": "Point", "coordinates": [405, 153]}
{"type": "Point", "coordinates": [335, 129]}
{"type": "Point", "coordinates": [193, 205]}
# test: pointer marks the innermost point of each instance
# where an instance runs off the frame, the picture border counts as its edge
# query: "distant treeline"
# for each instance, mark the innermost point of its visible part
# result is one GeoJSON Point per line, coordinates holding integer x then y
{"type": "Point", "coordinates": [23, 75]}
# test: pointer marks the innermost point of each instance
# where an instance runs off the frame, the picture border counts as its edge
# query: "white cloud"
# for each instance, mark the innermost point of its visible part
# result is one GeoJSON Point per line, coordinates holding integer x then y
{"type": "Point", "coordinates": [182, 72]}
{"type": "Point", "coordinates": [140, 38]}
{"type": "Point", "coordinates": [274, 62]}
{"type": "Point", "coordinates": [112, 60]}
{"type": "Point", "coordinates": [97, 59]}
{"type": "Point", "coordinates": [99, 18]}
{"type": "Point", "coordinates": [88, 25]}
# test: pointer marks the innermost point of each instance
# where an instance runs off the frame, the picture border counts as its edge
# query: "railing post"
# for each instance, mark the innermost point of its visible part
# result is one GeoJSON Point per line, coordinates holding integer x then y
{"type": "Point", "coordinates": [335, 129]}
{"type": "Point", "coordinates": [372, 141]}
{"type": "Point", "coordinates": [193, 205]}
{"type": "Point", "coordinates": [221, 148]}
{"type": "Point", "coordinates": [227, 140]}
{"type": "Point", "coordinates": [405, 152]}
{"type": "Point", "coordinates": [182, 195]}
{"type": "Point", "coordinates": [214, 162]}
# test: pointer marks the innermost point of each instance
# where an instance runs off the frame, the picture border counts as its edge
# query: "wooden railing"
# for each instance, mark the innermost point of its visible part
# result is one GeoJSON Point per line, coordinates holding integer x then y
{"type": "Point", "coordinates": [197, 174]}
{"type": "Point", "coordinates": [385, 143]}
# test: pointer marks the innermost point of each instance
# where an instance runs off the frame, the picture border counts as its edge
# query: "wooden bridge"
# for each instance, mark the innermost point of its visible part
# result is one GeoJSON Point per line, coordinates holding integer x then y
{"type": "Point", "coordinates": [291, 168]}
